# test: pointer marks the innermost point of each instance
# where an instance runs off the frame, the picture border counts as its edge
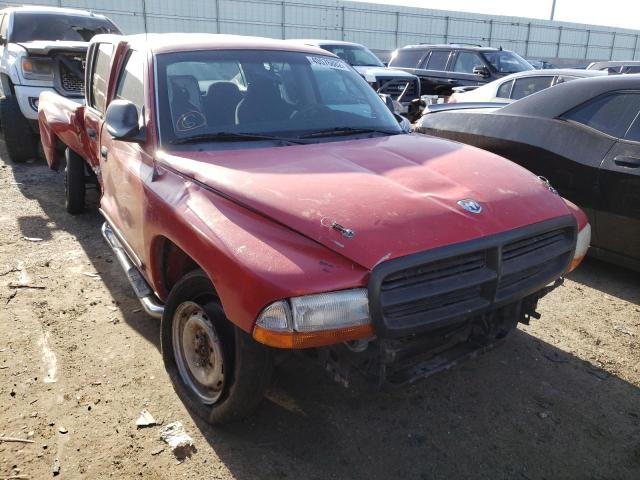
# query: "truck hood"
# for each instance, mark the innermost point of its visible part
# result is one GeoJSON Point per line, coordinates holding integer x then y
{"type": "Point", "coordinates": [45, 47]}
{"type": "Point", "coordinates": [371, 73]}
{"type": "Point", "coordinates": [398, 194]}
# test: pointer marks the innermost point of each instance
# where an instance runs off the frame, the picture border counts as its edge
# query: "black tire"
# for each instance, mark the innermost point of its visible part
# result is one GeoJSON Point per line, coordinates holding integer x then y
{"type": "Point", "coordinates": [74, 183]}
{"type": "Point", "coordinates": [19, 139]}
{"type": "Point", "coordinates": [247, 365]}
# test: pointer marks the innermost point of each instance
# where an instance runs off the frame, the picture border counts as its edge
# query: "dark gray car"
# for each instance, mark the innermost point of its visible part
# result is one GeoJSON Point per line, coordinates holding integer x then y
{"type": "Point", "coordinates": [443, 67]}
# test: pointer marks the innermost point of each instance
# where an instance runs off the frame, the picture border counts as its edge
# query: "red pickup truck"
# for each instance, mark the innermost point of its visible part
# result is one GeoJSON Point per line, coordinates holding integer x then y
{"type": "Point", "coordinates": [262, 198]}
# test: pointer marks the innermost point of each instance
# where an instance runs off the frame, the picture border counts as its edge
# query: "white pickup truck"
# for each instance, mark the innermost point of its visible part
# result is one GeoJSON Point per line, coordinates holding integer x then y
{"type": "Point", "coordinates": [41, 48]}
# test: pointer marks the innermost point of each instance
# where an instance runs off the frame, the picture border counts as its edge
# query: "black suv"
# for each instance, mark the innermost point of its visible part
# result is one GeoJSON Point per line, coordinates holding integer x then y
{"type": "Point", "coordinates": [442, 67]}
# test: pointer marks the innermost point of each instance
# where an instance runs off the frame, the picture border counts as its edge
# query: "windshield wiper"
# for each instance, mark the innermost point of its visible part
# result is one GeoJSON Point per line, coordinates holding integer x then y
{"type": "Point", "coordinates": [231, 137]}
{"type": "Point", "coordinates": [337, 131]}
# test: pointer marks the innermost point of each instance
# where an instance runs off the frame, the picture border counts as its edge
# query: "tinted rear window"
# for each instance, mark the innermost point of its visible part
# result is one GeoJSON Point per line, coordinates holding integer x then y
{"type": "Point", "coordinates": [408, 58]}
{"type": "Point", "coordinates": [611, 114]}
{"type": "Point", "coordinates": [527, 86]}
{"type": "Point", "coordinates": [45, 26]}
{"type": "Point", "coordinates": [438, 60]}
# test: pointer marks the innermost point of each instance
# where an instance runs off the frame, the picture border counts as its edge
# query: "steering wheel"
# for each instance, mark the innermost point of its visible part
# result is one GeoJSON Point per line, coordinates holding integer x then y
{"type": "Point", "coordinates": [309, 111]}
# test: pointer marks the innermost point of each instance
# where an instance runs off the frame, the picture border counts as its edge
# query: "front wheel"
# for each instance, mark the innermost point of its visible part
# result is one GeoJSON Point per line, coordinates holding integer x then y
{"type": "Point", "coordinates": [218, 370]}
{"type": "Point", "coordinates": [19, 139]}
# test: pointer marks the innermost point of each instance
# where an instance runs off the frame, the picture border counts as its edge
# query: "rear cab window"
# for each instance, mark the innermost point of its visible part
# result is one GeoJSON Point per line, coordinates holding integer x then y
{"type": "Point", "coordinates": [612, 114]}
{"type": "Point", "coordinates": [99, 76]}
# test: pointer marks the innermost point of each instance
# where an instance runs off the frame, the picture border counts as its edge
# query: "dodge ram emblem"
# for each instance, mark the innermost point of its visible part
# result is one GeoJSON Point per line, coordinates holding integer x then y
{"type": "Point", "coordinates": [470, 205]}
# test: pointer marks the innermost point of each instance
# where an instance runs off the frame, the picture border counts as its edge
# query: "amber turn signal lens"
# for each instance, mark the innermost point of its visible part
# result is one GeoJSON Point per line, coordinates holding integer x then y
{"type": "Point", "coordinates": [575, 263]}
{"type": "Point", "coordinates": [295, 340]}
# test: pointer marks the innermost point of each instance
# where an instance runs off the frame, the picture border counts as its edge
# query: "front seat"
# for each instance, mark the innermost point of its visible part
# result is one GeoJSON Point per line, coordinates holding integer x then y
{"type": "Point", "coordinates": [185, 103]}
{"type": "Point", "coordinates": [262, 103]}
{"type": "Point", "coordinates": [221, 102]}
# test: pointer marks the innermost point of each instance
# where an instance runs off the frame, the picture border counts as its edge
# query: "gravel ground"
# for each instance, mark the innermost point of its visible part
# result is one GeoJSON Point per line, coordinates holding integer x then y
{"type": "Point", "coordinates": [560, 399]}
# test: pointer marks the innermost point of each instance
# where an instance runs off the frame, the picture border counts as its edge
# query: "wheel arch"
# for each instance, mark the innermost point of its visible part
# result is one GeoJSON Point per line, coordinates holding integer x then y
{"type": "Point", "coordinates": [7, 84]}
{"type": "Point", "coordinates": [170, 263]}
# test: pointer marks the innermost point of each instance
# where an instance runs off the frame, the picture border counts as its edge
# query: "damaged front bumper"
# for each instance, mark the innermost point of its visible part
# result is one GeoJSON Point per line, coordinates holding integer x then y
{"type": "Point", "coordinates": [393, 362]}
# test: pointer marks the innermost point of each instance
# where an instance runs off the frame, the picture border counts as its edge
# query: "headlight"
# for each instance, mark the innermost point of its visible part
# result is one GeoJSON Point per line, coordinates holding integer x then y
{"type": "Point", "coordinates": [37, 68]}
{"type": "Point", "coordinates": [582, 245]}
{"type": "Point", "coordinates": [315, 320]}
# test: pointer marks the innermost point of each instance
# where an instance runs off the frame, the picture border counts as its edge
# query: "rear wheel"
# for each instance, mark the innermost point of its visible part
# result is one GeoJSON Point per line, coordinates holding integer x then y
{"type": "Point", "coordinates": [74, 183]}
{"type": "Point", "coordinates": [19, 139]}
{"type": "Point", "coordinates": [218, 370]}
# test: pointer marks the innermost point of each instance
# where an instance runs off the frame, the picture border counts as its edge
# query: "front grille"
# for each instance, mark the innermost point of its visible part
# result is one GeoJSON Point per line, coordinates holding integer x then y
{"type": "Point", "coordinates": [70, 82]}
{"type": "Point", "coordinates": [452, 284]}
{"type": "Point", "coordinates": [395, 86]}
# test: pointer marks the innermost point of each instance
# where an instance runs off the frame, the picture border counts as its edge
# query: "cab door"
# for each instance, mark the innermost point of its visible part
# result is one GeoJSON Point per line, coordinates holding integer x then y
{"type": "Point", "coordinates": [462, 65]}
{"type": "Point", "coordinates": [619, 181]}
{"type": "Point", "coordinates": [434, 78]}
{"type": "Point", "coordinates": [127, 165]}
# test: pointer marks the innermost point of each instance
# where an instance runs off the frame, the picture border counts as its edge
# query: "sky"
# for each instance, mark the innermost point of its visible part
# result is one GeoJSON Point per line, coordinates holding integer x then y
{"type": "Point", "coordinates": [612, 13]}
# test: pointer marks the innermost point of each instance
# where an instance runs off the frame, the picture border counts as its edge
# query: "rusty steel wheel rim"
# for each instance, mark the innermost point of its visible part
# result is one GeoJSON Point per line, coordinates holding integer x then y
{"type": "Point", "coordinates": [198, 352]}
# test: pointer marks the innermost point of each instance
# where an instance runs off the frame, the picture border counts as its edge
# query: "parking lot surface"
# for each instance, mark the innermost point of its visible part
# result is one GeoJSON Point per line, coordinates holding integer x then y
{"type": "Point", "coordinates": [79, 360]}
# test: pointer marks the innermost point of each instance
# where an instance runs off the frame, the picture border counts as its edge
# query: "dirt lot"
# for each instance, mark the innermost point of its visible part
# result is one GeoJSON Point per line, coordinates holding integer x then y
{"type": "Point", "coordinates": [560, 400]}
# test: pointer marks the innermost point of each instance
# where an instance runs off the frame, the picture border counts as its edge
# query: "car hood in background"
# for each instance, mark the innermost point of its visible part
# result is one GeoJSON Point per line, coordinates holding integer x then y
{"type": "Point", "coordinates": [372, 73]}
{"type": "Point", "coordinates": [45, 47]}
{"type": "Point", "coordinates": [398, 194]}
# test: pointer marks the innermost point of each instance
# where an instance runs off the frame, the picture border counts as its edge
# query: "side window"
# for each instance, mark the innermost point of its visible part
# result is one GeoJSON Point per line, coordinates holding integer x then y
{"type": "Point", "coordinates": [523, 87]}
{"type": "Point", "coordinates": [465, 61]}
{"type": "Point", "coordinates": [504, 91]}
{"type": "Point", "coordinates": [407, 58]}
{"type": "Point", "coordinates": [633, 134]}
{"type": "Point", "coordinates": [438, 60]}
{"type": "Point", "coordinates": [100, 76]}
{"type": "Point", "coordinates": [564, 79]}
{"type": "Point", "coordinates": [611, 114]}
{"type": "Point", "coordinates": [131, 82]}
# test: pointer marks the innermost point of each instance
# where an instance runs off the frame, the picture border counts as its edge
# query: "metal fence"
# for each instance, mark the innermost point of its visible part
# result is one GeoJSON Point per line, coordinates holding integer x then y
{"type": "Point", "coordinates": [381, 27]}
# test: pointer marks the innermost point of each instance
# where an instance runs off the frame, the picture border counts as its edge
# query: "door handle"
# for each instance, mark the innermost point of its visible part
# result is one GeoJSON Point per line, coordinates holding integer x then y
{"type": "Point", "coordinates": [627, 161]}
{"type": "Point", "coordinates": [451, 80]}
{"type": "Point", "coordinates": [104, 153]}
{"type": "Point", "coordinates": [92, 133]}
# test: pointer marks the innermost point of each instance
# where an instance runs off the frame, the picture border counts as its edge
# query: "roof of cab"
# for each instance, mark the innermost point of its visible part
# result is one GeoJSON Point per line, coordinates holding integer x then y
{"type": "Point", "coordinates": [51, 10]}
{"type": "Point", "coordinates": [159, 43]}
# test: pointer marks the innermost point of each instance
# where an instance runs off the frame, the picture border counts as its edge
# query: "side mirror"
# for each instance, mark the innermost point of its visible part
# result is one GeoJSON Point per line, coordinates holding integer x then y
{"type": "Point", "coordinates": [481, 70]}
{"type": "Point", "coordinates": [122, 123]}
{"type": "Point", "coordinates": [2, 40]}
